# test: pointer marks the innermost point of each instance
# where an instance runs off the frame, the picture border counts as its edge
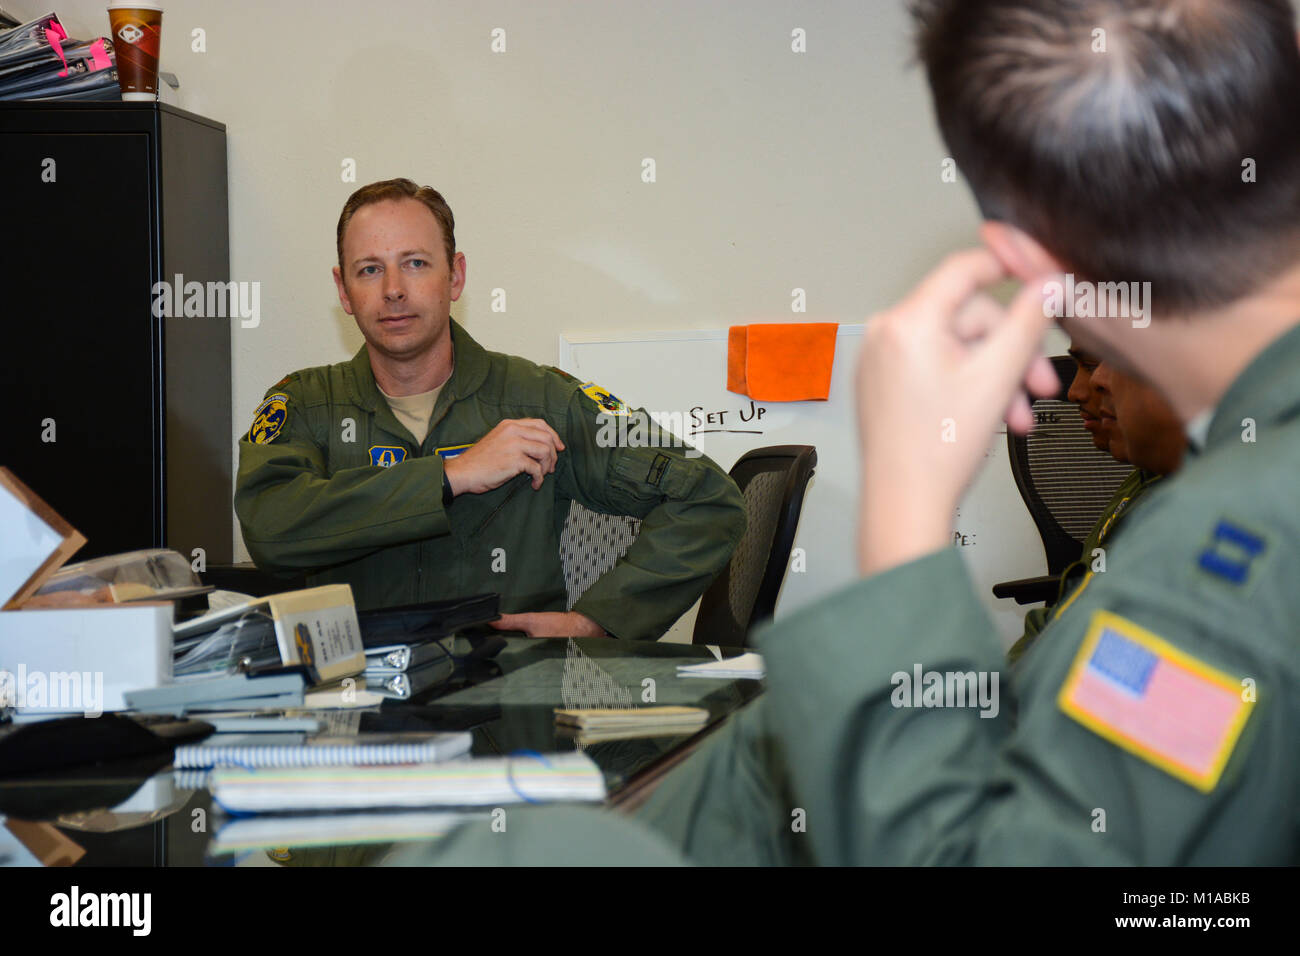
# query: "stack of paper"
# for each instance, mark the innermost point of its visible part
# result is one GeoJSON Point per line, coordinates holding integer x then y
{"type": "Point", "coordinates": [745, 667]}
{"type": "Point", "coordinates": [483, 781]}
{"type": "Point", "coordinates": [626, 723]}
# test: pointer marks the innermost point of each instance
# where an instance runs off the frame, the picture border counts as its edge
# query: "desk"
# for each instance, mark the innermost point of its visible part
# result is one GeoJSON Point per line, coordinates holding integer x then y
{"type": "Point", "coordinates": [507, 702]}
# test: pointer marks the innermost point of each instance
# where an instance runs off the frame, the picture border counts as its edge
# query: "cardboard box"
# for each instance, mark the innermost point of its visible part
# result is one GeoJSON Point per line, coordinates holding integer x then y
{"type": "Point", "coordinates": [82, 660]}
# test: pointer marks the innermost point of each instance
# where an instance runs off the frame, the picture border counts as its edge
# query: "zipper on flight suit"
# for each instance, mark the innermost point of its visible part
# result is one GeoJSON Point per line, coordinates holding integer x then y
{"type": "Point", "coordinates": [426, 449]}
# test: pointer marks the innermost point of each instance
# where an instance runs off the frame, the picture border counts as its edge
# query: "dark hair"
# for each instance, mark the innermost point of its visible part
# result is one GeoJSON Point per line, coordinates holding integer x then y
{"type": "Point", "coordinates": [400, 189]}
{"type": "Point", "coordinates": [1128, 164]}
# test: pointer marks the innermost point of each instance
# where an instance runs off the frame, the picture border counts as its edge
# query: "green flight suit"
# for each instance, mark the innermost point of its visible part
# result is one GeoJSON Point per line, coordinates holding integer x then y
{"type": "Point", "coordinates": [1209, 565]}
{"type": "Point", "coordinates": [1138, 482]}
{"type": "Point", "coordinates": [335, 486]}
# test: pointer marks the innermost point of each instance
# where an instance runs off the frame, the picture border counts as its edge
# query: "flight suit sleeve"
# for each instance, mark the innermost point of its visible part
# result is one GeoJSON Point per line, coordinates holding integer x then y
{"type": "Point", "coordinates": [886, 779]}
{"type": "Point", "coordinates": [296, 514]}
{"type": "Point", "coordinates": [692, 517]}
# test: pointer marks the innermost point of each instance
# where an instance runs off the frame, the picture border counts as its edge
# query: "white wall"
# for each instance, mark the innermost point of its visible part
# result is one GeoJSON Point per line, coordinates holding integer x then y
{"type": "Point", "coordinates": [775, 169]}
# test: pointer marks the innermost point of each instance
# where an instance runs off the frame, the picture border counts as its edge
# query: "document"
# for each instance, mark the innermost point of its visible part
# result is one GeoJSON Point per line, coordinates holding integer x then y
{"type": "Point", "coordinates": [745, 667]}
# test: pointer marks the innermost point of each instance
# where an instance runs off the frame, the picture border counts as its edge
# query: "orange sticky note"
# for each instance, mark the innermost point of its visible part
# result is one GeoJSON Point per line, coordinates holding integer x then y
{"type": "Point", "coordinates": [781, 361]}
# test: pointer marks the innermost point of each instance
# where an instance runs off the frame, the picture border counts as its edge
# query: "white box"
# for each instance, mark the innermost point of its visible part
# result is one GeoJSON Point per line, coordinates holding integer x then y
{"type": "Point", "coordinates": [82, 660]}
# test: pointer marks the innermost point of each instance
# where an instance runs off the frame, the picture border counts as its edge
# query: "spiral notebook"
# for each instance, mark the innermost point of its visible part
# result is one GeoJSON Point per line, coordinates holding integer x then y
{"type": "Point", "coordinates": [296, 750]}
{"type": "Point", "coordinates": [481, 781]}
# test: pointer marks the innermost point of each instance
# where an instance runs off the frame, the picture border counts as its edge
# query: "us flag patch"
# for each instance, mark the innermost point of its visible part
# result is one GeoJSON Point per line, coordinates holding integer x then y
{"type": "Point", "coordinates": [1160, 704]}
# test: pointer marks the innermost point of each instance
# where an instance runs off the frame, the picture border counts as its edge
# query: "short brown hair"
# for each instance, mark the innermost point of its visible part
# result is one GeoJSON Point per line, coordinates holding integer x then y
{"type": "Point", "coordinates": [1129, 163]}
{"type": "Point", "coordinates": [400, 189]}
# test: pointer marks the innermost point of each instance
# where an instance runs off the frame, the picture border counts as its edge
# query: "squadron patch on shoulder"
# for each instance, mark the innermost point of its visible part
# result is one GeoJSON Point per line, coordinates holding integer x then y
{"type": "Point", "coordinates": [1157, 702]}
{"type": "Point", "coordinates": [385, 456]}
{"type": "Point", "coordinates": [269, 419]}
{"type": "Point", "coordinates": [607, 402]}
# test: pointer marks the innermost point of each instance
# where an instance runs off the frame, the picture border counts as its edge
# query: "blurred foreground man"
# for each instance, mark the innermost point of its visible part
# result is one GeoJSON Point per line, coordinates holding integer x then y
{"type": "Point", "coordinates": [1155, 721]}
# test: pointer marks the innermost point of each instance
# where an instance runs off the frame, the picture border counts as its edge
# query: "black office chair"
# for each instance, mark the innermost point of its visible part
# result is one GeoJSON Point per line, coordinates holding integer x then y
{"type": "Point", "coordinates": [773, 481]}
{"type": "Point", "coordinates": [1065, 483]}
{"type": "Point", "coordinates": [590, 544]}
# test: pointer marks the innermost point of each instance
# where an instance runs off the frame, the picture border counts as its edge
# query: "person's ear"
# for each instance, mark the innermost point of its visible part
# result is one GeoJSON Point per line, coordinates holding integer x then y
{"type": "Point", "coordinates": [459, 269]}
{"type": "Point", "coordinates": [343, 292]}
{"type": "Point", "coordinates": [1019, 253]}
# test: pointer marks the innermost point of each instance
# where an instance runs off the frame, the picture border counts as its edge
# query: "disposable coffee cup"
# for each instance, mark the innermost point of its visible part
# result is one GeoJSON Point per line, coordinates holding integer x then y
{"type": "Point", "coordinates": [136, 27]}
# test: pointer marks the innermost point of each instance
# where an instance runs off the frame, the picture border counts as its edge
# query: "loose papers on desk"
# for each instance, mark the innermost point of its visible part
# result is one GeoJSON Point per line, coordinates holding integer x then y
{"type": "Point", "coordinates": [745, 667]}
{"type": "Point", "coordinates": [483, 781]}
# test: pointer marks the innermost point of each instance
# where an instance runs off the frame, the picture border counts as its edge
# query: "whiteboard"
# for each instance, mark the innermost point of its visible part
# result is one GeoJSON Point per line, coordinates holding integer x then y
{"type": "Point", "coordinates": [681, 376]}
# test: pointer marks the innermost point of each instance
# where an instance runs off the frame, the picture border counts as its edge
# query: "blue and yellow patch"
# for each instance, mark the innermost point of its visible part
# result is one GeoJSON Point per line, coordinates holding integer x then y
{"type": "Point", "coordinates": [269, 419]}
{"type": "Point", "coordinates": [385, 456]}
{"type": "Point", "coordinates": [607, 402]}
{"type": "Point", "coordinates": [451, 451]}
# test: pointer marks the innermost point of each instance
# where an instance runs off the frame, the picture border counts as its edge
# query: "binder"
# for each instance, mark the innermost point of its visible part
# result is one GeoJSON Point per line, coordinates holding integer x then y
{"type": "Point", "coordinates": [421, 622]}
{"type": "Point", "coordinates": [399, 658]}
{"type": "Point", "coordinates": [403, 685]}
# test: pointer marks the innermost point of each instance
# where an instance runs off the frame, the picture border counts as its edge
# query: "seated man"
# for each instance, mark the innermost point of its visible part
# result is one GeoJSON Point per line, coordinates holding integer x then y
{"type": "Point", "coordinates": [1113, 406]}
{"type": "Point", "coordinates": [1154, 722]}
{"type": "Point", "coordinates": [428, 468]}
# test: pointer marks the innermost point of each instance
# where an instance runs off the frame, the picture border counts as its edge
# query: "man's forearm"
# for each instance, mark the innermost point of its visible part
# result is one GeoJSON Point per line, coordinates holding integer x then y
{"type": "Point", "coordinates": [302, 521]}
{"type": "Point", "coordinates": [668, 567]}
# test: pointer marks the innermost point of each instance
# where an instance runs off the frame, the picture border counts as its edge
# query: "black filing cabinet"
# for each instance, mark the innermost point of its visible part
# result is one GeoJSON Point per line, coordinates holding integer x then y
{"type": "Point", "coordinates": [118, 418]}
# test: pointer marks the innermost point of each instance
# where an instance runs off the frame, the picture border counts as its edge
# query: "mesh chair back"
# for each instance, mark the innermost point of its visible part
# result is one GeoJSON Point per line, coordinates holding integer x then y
{"type": "Point", "coordinates": [1064, 481]}
{"type": "Point", "coordinates": [590, 544]}
{"type": "Point", "coordinates": [773, 481]}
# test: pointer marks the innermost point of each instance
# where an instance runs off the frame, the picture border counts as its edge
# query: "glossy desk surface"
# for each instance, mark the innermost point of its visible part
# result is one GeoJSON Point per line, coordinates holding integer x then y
{"type": "Point", "coordinates": [134, 814]}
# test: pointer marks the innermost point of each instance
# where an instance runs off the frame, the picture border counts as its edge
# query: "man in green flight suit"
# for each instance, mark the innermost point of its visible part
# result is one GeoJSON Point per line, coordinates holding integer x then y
{"type": "Point", "coordinates": [1132, 422]}
{"type": "Point", "coordinates": [429, 468]}
{"type": "Point", "coordinates": [1155, 721]}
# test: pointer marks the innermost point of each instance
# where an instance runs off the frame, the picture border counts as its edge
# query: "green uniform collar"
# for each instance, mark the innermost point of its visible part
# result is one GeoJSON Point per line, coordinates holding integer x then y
{"type": "Point", "coordinates": [1267, 391]}
{"type": "Point", "coordinates": [468, 373]}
